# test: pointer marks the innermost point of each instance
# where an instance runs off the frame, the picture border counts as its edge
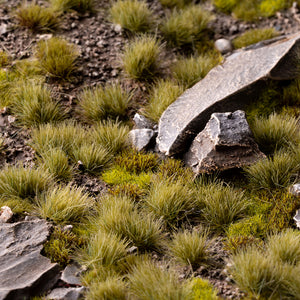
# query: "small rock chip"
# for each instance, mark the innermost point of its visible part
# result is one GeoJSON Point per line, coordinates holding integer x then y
{"type": "Point", "coordinates": [297, 218]}
{"type": "Point", "coordinates": [71, 274]}
{"type": "Point", "coordinates": [141, 138]}
{"type": "Point", "coordinates": [66, 294]}
{"type": "Point", "coordinates": [5, 214]}
{"type": "Point", "coordinates": [223, 45]}
{"type": "Point", "coordinates": [295, 190]}
{"type": "Point", "coordinates": [142, 122]}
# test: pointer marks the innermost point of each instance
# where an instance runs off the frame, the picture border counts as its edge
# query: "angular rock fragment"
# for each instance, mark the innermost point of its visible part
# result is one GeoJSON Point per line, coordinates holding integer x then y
{"type": "Point", "coordinates": [295, 189]}
{"type": "Point", "coordinates": [71, 275]}
{"type": "Point", "coordinates": [24, 271]}
{"type": "Point", "coordinates": [142, 122]}
{"type": "Point", "coordinates": [5, 214]}
{"type": "Point", "coordinates": [66, 294]}
{"type": "Point", "coordinates": [141, 139]}
{"type": "Point", "coordinates": [227, 87]}
{"type": "Point", "coordinates": [226, 142]}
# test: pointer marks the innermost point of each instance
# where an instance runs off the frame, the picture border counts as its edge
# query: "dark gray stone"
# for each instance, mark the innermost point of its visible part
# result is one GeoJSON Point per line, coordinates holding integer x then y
{"type": "Point", "coordinates": [227, 87]}
{"type": "Point", "coordinates": [141, 122]}
{"type": "Point", "coordinates": [66, 293]}
{"type": "Point", "coordinates": [225, 143]}
{"type": "Point", "coordinates": [141, 138]}
{"type": "Point", "coordinates": [24, 271]}
{"type": "Point", "coordinates": [71, 274]}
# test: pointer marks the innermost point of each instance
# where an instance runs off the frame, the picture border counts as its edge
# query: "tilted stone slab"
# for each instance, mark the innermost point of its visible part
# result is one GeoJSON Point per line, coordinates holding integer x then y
{"type": "Point", "coordinates": [24, 271]}
{"type": "Point", "coordinates": [227, 87]}
{"type": "Point", "coordinates": [225, 143]}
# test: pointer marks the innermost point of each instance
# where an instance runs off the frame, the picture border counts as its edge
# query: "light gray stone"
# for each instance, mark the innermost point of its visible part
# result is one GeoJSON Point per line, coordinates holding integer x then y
{"type": "Point", "coordinates": [295, 189]}
{"type": "Point", "coordinates": [24, 271]}
{"type": "Point", "coordinates": [141, 122]}
{"type": "Point", "coordinates": [225, 143]}
{"type": "Point", "coordinates": [227, 87]}
{"type": "Point", "coordinates": [223, 45]}
{"type": "Point", "coordinates": [71, 274]}
{"type": "Point", "coordinates": [66, 294]}
{"type": "Point", "coordinates": [141, 138]}
{"type": "Point", "coordinates": [5, 214]}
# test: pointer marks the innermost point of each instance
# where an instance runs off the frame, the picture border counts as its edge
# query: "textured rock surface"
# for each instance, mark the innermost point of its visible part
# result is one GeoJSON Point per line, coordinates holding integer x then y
{"type": "Point", "coordinates": [227, 87]}
{"type": "Point", "coordinates": [295, 190]}
{"type": "Point", "coordinates": [226, 142]}
{"type": "Point", "coordinates": [66, 294]}
{"type": "Point", "coordinates": [5, 214]}
{"type": "Point", "coordinates": [71, 275]}
{"type": "Point", "coordinates": [141, 138]}
{"type": "Point", "coordinates": [141, 122]}
{"type": "Point", "coordinates": [24, 271]}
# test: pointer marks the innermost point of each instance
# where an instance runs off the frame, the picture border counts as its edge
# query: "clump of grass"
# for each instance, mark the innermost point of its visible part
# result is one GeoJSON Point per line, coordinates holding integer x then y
{"type": "Point", "coordinates": [148, 281]}
{"type": "Point", "coordinates": [94, 158]}
{"type": "Point", "coordinates": [119, 216]}
{"type": "Point", "coordinates": [37, 18]}
{"type": "Point", "coordinates": [253, 36]}
{"type": "Point", "coordinates": [32, 104]}
{"type": "Point", "coordinates": [163, 93]}
{"type": "Point", "coordinates": [176, 3]}
{"type": "Point", "coordinates": [81, 6]}
{"type": "Point", "coordinates": [171, 201]}
{"type": "Point", "coordinates": [137, 162]}
{"type": "Point", "coordinates": [28, 68]}
{"type": "Point", "coordinates": [103, 250]}
{"type": "Point", "coordinates": [187, 26]}
{"type": "Point", "coordinates": [202, 290]}
{"type": "Point", "coordinates": [268, 8]}
{"type": "Point", "coordinates": [190, 248]}
{"type": "Point", "coordinates": [285, 247]}
{"type": "Point", "coordinates": [64, 135]}
{"type": "Point", "coordinates": [275, 132]}
{"type": "Point", "coordinates": [141, 59]}
{"type": "Point", "coordinates": [188, 71]}
{"type": "Point", "coordinates": [56, 162]}
{"type": "Point", "coordinates": [110, 289]}
{"type": "Point", "coordinates": [111, 135]}
{"type": "Point", "coordinates": [64, 205]}
{"type": "Point", "coordinates": [225, 5]}
{"type": "Point", "coordinates": [104, 102]}
{"type": "Point", "coordinates": [23, 183]}
{"type": "Point", "coordinates": [291, 93]}
{"type": "Point", "coordinates": [4, 59]}
{"type": "Point", "coordinates": [247, 10]}
{"type": "Point", "coordinates": [132, 15]}
{"type": "Point", "coordinates": [222, 205]}
{"type": "Point", "coordinates": [61, 245]}
{"type": "Point", "coordinates": [272, 173]}
{"type": "Point", "coordinates": [57, 58]}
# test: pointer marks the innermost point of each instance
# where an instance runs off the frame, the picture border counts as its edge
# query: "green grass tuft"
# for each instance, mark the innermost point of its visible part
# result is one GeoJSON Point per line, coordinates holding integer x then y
{"type": "Point", "coordinates": [163, 93]}
{"type": "Point", "coordinates": [188, 71]}
{"type": "Point", "coordinates": [104, 102]}
{"type": "Point", "coordinates": [132, 15]}
{"type": "Point", "coordinates": [141, 58]}
{"type": "Point", "coordinates": [225, 6]}
{"type": "Point", "coordinates": [176, 3]}
{"type": "Point", "coordinates": [37, 18]}
{"type": "Point", "coordinates": [247, 10]}
{"type": "Point", "coordinates": [268, 8]}
{"type": "Point", "coordinates": [187, 26]}
{"type": "Point", "coordinates": [64, 205]}
{"type": "Point", "coordinates": [254, 36]}
{"type": "Point", "coordinates": [58, 58]}
{"type": "Point", "coordinates": [81, 6]}
{"type": "Point", "coordinates": [203, 290]}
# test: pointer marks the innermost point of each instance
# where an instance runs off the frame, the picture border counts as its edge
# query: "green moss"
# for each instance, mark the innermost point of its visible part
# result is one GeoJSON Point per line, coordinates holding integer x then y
{"type": "Point", "coordinates": [202, 289]}
{"type": "Point", "coordinates": [268, 8]}
{"type": "Point", "coordinates": [225, 6]}
{"type": "Point", "coordinates": [247, 10]}
{"type": "Point", "coordinates": [61, 246]}
{"type": "Point", "coordinates": [254, 36]}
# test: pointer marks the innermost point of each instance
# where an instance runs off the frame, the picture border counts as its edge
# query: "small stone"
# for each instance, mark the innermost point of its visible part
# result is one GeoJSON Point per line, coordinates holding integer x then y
{"type": "Point", "coordinates": [118, 28]}
{"type": "Point", "coordinates": [297, 218]}
{"type": "Point", "coordinates": [5, 214]}
{"type": "Point", "coordinates": [11, 119]}
{"type": "Point", "coordinates": [68, 228]}
{"type": "Point", "coordinates": [71, 274]}
{"type": "Point", "coordinates": [66, 293]}
{"type": "Point", "coordinates": [45, 36]}
{"type": "Point", "coordinates": [3, 28]}
{"type": "Point", "coordinates": [223, 45]}
{"type": "Point", "coordinates": [141, 138]}
{"type": "Point", "coordinates": [295, 189]}
{"type": "Point", "coordinates": [132, 250]}
{"type": "Point", "coordinates": [142, 122]}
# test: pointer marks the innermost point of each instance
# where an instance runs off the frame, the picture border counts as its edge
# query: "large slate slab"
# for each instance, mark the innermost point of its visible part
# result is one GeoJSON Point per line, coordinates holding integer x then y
{"type": "Point", "coordinates": [225, 143]}
{"type": "Point", "coordinates": [24, 272]}
{"type": "Point", "coordinates": [227, 87]}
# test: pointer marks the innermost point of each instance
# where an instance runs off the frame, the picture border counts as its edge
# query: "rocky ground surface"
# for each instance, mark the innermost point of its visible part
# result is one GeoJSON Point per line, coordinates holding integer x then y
{"type": "Point", "coordinates": [101, 44]}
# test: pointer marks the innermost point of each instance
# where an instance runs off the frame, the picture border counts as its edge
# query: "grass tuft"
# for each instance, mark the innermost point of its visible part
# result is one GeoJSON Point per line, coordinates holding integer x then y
{"type": "Point", "coordinates": [188, 71]}
{"type": "Point", "coordinates": [37, 18]}
{"type": "Point", "coordinates": [104, 102]}
{"type": "Point", "coordinates": [190, 248]}
{"type": "Point", "coordinates": [141, 58]}
{"type": "Point", "coordinates": [203, 290]}
{"type": "Point", "coordinates": [64, 205]}
{"type": "Point", "coordinates": [163, 93]}
{"type": "Point", "coordinates": [132, 15]}
{"type": "Point", "coordinates": [187, 26]}
{"type": "Point", "coordinates": [57, 58]}
{"type": "Point", "coordinates": [254, 36]}
{"type": "Point", "coordinates": [176, 3]}
{"type": "Point", "coordinates": [81, 6]}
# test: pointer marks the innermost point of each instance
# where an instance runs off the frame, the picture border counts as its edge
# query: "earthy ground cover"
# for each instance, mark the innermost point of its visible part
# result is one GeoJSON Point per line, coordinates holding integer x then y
{"type": "Point", "coordinates": [141, 180]}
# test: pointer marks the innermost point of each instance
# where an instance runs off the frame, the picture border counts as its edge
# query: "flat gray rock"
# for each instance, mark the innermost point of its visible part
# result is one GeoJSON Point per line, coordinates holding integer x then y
{"type": "Point", "coordinates": [141, 138]}
{"type": "Point", "coordinates": [227, 87]}
{"type": "Point", "coordinates": [24, 271]}
{"type": "Point", "coordinates": [225, 143]}
{"type": "Point", "coordinates": [71, 274]}
{"type": "Point", "coordinates": [66, 294]}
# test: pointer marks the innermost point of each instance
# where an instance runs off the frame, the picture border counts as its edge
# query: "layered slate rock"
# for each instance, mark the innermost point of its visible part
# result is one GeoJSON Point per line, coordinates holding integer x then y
{"type": "Point", "coordinates": [225, 143]}
{"type": "Point", "coordinates": [141, 139]}
{"type": "Point", "coordinates": [227, 87]}
{"type": "Point", "coordinates": [24, 271]}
